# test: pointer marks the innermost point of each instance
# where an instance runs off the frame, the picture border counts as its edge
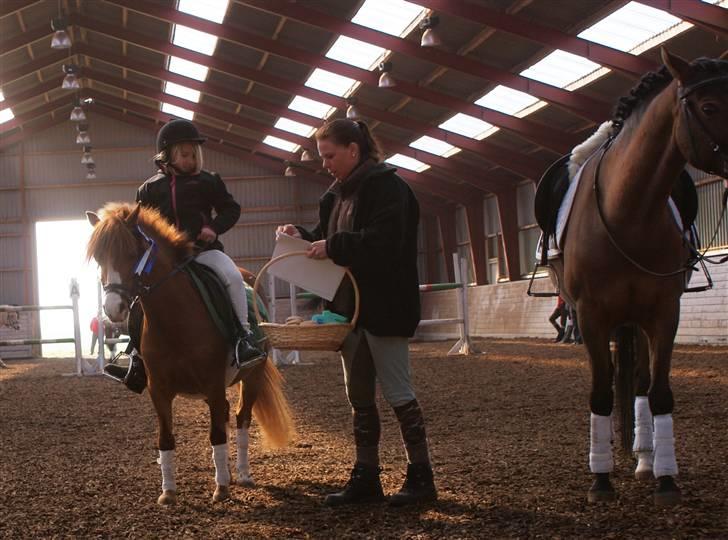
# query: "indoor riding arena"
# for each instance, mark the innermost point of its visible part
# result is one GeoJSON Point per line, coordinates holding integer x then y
{"type": "Point", "coordinates": [570, 310]}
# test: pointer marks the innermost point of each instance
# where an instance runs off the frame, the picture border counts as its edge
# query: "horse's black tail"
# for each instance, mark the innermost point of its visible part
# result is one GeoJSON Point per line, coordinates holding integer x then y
{"type": "Point", "coordinates": [624, 358]}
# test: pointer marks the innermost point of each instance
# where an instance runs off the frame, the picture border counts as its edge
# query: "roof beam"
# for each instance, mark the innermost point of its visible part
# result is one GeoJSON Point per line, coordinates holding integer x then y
{"type": "Point", "coordinates": [29, 68]}
{"type": "Point", "coordinates": [26, 117]}
{"type": "Point", "coordinates": [630, 64]}
{"type": "Point", "coordinates": [521, 164]}
{"type": "Point", "coordinates": [580, 104]}
{"type": "Point", "coordinates": [13, 100]}
{"type": "Point", "coordinates": [540, 134]}
{"type": "Point", "coordinates": [28, 132]}
{"type": "Point", "coordinates": [713, 18]}
{"type": "Point", "coordinates": [8, 7]}
{"type": "Point", "coordinates": [26, 38]}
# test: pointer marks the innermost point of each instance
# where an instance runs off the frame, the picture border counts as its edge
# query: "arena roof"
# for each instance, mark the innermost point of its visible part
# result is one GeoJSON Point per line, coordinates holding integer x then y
{"type": "Point", "coordinates": [512, 85]}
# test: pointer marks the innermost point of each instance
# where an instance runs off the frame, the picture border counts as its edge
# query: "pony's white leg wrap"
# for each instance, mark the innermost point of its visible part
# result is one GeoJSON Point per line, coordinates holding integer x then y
{"type": "Point", "coordinates": [665, 462]}
{"type": "Point", "coordinates": [228, 272]}
{"type": "Point", "coordinates": [222, 468]}
{"type": "Point", "coordinates": [166, 462]}
{"type": "Point", "coordinates": [642, 446]}
{"type": "Point", "coordinates": [242, 464]}
{"type": "Point", "coordinates": [600, 448]}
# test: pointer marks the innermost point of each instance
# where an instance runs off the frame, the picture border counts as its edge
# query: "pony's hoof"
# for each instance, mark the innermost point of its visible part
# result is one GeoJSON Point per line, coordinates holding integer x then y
{"type": "Point", "coordinates": [222, 493]}
{"type": "Point", "coordinates": [245, 481]}
{"type": "Point", "coordinates": [601, 490]}
{"type": "Point", "coordinates": [667, 492]}
{"type": "Point", "coordinates": [167, 497]}
{"type": "Point", "coordinates": [644, 476]}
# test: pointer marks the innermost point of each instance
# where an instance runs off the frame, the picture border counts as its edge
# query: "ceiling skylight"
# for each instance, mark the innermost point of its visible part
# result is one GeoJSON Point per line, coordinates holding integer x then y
{"type": "Point", "coordinates": [195, 40]}
{"type": "Point", "coordinates": [394, 17]}
{"type": "Point", "coordinates": [629, 26]}
{"type": "Point", "coordinates": [407, 163]}
{"type": "Point", "coordinates": [506, 100]}
{"type": "Point", "coordinates": [331, 83]}
{"type": "Point", "coordinates": [178, 111]}
{"type": "Point", "coordinates": [282, 144]}
{"type": "Point", "coordinates": [311, 107]}
{"type": "Point", "coordinates": [187, 68]}
{"type": "Point", "coordinates": [357, 53]}
{"type": "Point", "coordinates": [212, 10]}
{"type": "Point", "coordinates": [560, 68]}
{"type": "Point", "coordinates": [6, 115]}
{"type": "Point", "coordinates": [435, 146]}
{"type": "Point", "coordinates": [467, 125]}
{"type": "Point", "coordinates": [295, 127]}
{"type": "Point", "coordinates": [181, 91]}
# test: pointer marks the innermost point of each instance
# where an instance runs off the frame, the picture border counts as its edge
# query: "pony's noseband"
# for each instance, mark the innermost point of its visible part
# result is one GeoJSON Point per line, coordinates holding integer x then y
{"type": "Point", "coordinates": [683, 93]}
{"type": "Point", "coordinates": [143, 267]}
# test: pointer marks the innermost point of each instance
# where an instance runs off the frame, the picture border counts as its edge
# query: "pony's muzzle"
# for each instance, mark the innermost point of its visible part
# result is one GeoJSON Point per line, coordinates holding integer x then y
{"type": "Point", "coordinates": [115, 307]}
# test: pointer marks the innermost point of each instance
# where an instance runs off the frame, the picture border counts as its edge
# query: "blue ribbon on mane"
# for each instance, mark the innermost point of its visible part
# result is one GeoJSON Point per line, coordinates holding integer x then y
{"type": "Point", "coordinates": [146, 262]}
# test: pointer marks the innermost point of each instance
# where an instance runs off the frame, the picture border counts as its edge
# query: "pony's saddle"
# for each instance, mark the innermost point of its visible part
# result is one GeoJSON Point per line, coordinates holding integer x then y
{"type": "Point", "coordinates": [218, 303]}
{"type": "Point", "coordinates": [555, 182]}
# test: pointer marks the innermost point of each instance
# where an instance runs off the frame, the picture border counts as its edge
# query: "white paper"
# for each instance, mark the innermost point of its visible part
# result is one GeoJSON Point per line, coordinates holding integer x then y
{"type": "Point", "coordinates": [319, 276]}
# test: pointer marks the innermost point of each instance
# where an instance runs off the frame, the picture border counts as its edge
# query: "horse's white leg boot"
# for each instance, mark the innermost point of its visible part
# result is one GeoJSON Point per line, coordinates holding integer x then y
{"type": "Point", "coordinates": [665, 461]}
{"type": "Point", "coordinates": [600, 448]}
{"type": "Point", "coordinates": [242, 464]}
{"type": "Point", "coordinates": [169, 488]}
{"type": "Point", "coordinates": [642, 446]}
{"type": "Point", "coordinates": [222, 472]}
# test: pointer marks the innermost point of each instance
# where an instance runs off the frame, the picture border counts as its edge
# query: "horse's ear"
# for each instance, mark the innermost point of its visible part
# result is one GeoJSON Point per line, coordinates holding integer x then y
{"type": "Point", "coordinates": [679, 68]}
{"type": "Point", "coordinates": [92, 218]}
{"type": "Point", "coordinates": [132, 218]}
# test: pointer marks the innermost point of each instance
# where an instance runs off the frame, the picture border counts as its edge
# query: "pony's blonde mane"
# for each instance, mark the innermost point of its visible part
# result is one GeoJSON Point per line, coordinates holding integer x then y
{"type": "Point", "coordinates": [581, 152]}
{"type": "Point", "coordinates": [113, 237]}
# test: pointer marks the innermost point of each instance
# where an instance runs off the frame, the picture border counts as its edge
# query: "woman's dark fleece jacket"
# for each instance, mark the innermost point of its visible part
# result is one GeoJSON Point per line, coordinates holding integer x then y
{"type": "Point", "coordinates": [379, 245]}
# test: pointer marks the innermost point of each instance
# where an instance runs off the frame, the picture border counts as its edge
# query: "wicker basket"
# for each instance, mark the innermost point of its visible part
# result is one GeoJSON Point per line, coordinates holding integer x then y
{"type": "Point", "coordinates": [317, 337]}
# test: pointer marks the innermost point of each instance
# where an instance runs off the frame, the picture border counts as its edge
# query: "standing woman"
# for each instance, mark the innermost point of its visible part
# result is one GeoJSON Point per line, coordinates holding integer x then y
{"type": "Point", "coordinates": [368, 222]}
{"type": "Point", "coordinates": [197, 203]}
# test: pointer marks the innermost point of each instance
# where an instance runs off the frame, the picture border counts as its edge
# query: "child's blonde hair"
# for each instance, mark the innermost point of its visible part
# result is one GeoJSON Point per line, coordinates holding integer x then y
{"type": "Point", "coordinates": [166, 157]}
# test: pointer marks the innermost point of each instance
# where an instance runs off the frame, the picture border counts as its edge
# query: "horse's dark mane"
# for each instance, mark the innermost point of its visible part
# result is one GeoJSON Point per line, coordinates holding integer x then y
{"type": "Point", "coordinates": [113, 240]}
{"type": "Point", "coordinates": [654, 82]}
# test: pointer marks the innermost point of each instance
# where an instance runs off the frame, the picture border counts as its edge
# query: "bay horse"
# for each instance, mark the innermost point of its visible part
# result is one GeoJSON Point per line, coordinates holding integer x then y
{"type": "Point", "coordinates": [184, 352]}
{"type": "Point", "coordinates": [625, 263]}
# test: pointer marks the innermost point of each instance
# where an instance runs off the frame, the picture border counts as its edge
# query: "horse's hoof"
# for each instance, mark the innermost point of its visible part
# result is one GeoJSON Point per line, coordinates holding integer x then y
{"type": "Point", "coordinates": [245, 481]}
{"type": "Point", "coordinates": [167, 497]}
{"type": "Point", "coordinates": [644, 476]}
{"type": "Point", "coordinates": [222, 493]}
{"type": "Point", "coordinates": [601, 490]}
{"type": "Point", "coordinates": [667, 492]}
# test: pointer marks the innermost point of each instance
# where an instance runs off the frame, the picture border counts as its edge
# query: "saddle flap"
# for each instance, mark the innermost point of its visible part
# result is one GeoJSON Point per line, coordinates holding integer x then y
{"type": "Point", "coordinates": [550, 192]}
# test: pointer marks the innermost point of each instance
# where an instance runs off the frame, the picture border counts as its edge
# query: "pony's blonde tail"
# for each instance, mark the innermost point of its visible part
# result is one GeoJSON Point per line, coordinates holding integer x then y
{"type": "Point", "coordinates": [271, 409]}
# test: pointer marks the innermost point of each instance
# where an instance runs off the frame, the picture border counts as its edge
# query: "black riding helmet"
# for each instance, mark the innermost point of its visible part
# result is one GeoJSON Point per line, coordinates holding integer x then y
{"type": "Point", "coordinates": [177, 131]}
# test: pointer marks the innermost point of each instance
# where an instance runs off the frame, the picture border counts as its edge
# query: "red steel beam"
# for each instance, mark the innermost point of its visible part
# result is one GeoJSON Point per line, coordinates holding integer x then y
{"type": "Point", "coordinates": [8, 7]}
{"type": "Point", "coordinates": [627, 63]}
{"type": "Point", "coordinates": [10, 75]}
{"type": "Point", "coordinates": [713, 18]}
{"type": "Point", "coordinates": [586, 107]}
{"type": "Point", "coordinates": [21, 119]}
{"type": "Point", "coordinates": [14, 99]}
{"type": "Point", "coordinates": [29, 36]}
{"type": "Point", "coordinates": [542, 135]}
{"type": "Point", "coordinates": [521, 164]}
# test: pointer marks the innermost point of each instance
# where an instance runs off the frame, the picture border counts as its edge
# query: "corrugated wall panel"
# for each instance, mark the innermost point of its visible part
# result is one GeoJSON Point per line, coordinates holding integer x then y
{"type": "Point", "coordinates": [9, 170]}
{"type": "Point", "coordinates": [11, 252]}
{"type": "Point", "coordinates": [11, 288]}
{"type": "Point", "coordinates": [9, 205]}
{"type": "Point", "coordinates": [44, 205]}
{"type": "Point", "coordinates": [227, 165]}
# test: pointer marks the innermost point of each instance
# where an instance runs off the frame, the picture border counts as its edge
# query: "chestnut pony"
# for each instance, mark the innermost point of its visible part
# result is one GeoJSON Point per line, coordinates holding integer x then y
{"type": "Point", "coordinates": [184, 352]}
{"type": "Point", "coordinates": [625, 263]}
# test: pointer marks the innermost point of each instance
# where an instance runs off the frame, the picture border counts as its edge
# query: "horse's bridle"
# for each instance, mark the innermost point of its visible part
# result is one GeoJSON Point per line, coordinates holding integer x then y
{"type": "Point", "coordinates": [682, 93]}
{"type": "Point", "coordinates": [695, 256]}
{"type": "Point", "coordinates": [142, 268]}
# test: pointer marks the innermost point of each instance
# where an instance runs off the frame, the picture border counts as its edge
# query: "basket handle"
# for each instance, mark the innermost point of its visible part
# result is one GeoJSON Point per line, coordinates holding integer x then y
{"type": "Point", "coordinates": [302, 253]}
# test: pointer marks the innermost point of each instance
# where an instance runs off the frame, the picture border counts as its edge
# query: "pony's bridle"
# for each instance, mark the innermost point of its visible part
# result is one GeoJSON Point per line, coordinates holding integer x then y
{"type": "Point", "coordinates": [143, 268]}
{"type": "Point", "coordinates": [693, 119]}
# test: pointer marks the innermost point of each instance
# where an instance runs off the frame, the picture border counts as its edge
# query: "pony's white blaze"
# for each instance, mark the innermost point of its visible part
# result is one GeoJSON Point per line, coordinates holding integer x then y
{"type": "Point", "coordinates": [114, 306]}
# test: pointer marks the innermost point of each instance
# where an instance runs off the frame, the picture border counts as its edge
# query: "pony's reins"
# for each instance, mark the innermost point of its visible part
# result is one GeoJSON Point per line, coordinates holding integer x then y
{"type": "Point", "coordinates": [695, 255]}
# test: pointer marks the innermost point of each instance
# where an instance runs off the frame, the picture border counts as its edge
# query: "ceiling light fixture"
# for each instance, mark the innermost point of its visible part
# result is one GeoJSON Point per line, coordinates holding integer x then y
{"type": "Point", "coordinates": [352, 113]}
{"type": "Point", "coordinates": [70, 81]}
{"type": "Point", "coordinates": [430, 37]}
{"type": "Point", "coordinates": [60, 37]}
{"type": "Point", "coordinates": [385, 79]}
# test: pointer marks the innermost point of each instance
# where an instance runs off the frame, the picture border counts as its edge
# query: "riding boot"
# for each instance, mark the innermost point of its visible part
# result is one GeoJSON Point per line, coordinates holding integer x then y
{"type": "Point", "coordinates": [559, 336]}
{"type": "Point", "coordinates": [133, 376]}
{"type": "Point", "coordinates": [247, 353]}
{"type": "Point", "coordinates": [419, 486]}
{"type": "Point", "coordinates": [363, 487]}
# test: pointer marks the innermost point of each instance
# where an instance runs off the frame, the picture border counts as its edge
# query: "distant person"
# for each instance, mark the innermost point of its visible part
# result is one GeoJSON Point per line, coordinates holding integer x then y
{"type": "Point", "coordinates": [368, 223]}
{"type": "Point", "coordinates": [558, 319]}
